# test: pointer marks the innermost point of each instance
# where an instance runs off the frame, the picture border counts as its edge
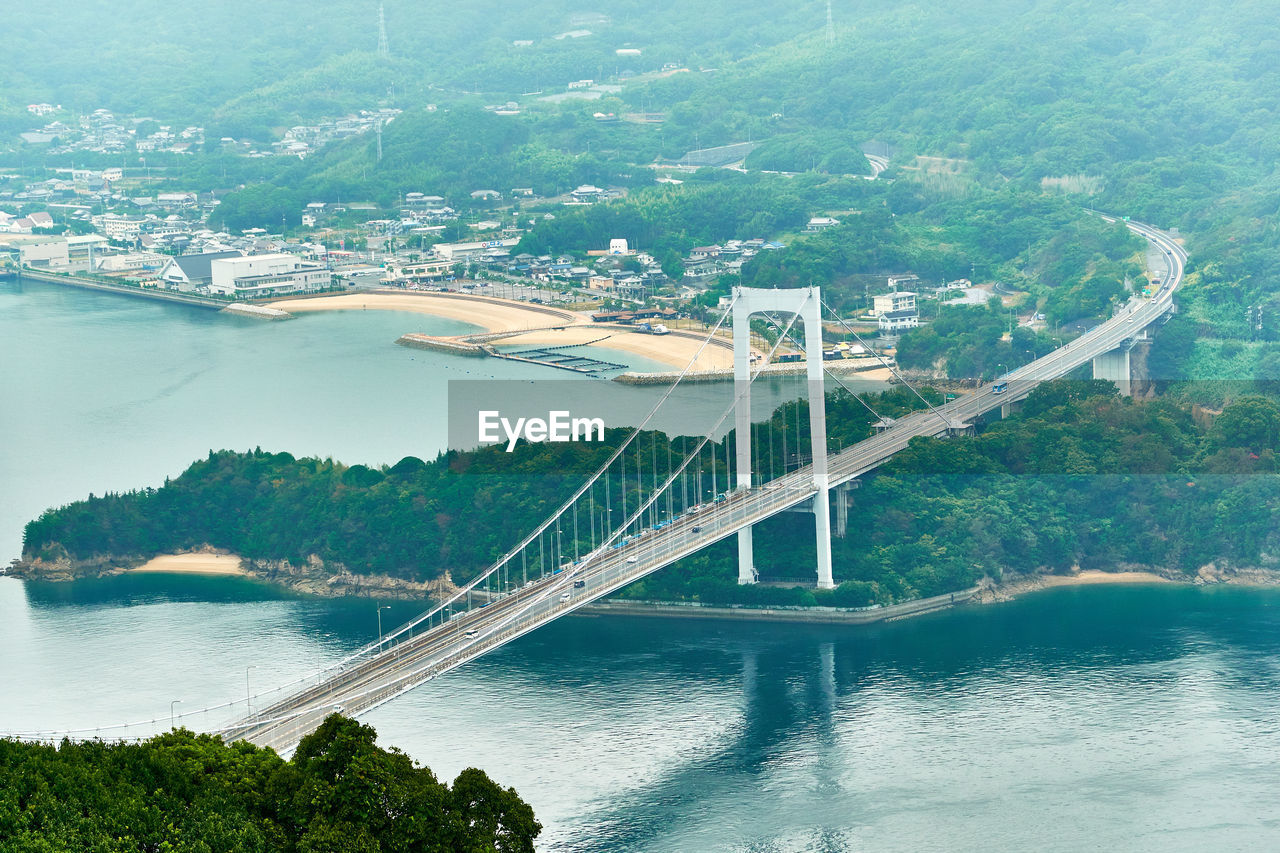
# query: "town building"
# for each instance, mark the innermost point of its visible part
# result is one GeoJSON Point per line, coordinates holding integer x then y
{"type": "Point", "coordinates": [454, 252]}
{"type": "Point", "coordinates": [132, 262]}
{"type": "Point", "coordinates": [420, 271]}
{"type": "Point", "coordinates": [894, 301]}
{"type": "Point", "coordinates": [267, 275]}
{"type": "Point", "coordinates": [896, 321]}
{"type": "Point", "coordinates": [48, 252]}
{"type": "Point", "coordinates": [193, 272]}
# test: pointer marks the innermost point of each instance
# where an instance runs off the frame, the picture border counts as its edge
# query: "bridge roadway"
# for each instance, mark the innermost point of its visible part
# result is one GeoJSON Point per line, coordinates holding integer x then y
{"type": "Point", "coordinates": [363, 683]}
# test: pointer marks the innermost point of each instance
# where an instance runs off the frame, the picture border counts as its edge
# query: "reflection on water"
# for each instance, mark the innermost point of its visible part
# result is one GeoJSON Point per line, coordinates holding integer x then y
{"type": "Point", "coordinates": [1101, 718]}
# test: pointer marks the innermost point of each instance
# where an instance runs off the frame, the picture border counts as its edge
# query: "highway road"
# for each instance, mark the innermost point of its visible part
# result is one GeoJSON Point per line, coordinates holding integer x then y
{"type": "Point", "coordinates": [409, 659]}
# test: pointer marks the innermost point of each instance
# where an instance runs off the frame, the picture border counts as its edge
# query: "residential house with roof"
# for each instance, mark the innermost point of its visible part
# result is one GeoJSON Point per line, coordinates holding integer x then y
{"type": "Point", "coordinates": [193, 272]}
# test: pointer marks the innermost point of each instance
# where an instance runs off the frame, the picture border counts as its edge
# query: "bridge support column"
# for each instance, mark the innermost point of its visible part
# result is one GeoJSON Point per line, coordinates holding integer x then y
{"type": "Point", "coordinates": [1114, 365]}
{"type": "Point", "coordinates": [844, 499]}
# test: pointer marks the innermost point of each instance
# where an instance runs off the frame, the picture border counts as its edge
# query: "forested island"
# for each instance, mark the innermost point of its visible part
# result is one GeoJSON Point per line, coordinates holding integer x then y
{"type": "Point", "coordinates": [184, 791]}
{"type": "Point", "coordinates": [1079, 477]}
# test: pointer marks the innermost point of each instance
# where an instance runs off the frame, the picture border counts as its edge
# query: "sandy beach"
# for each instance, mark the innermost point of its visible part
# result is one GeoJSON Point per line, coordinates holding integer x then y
{"type": "Point", "coordinates": [554, 326]}
{"type": "Point", "coordinates": [491, 315]}
{"type": "Point", "coordinates": [194, 564]}
{"type": "Point", "coordinates": [1095, 576]}
{"type": "Point", "coordinates": [1015, 586]}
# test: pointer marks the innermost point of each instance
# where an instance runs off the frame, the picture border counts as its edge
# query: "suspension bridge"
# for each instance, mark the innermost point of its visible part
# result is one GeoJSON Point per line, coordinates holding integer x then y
{"type": "Point", "coordinates": [637, 514]}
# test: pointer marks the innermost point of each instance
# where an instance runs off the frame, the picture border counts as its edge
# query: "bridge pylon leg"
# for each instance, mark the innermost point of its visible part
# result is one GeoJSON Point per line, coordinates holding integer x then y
{"type": "Point", "coordinates": [746, 558]}
{"type": "Point", "coordinates": [812, 315]}
{"type": "Point", "coordinates": [742, 431]}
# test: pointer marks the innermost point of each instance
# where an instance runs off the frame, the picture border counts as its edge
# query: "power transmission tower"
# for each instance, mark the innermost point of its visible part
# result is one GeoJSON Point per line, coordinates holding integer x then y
{"type": "Point", "coordinates": [384, 49]}
{"type": "Point", "coordinates": [831, 26]}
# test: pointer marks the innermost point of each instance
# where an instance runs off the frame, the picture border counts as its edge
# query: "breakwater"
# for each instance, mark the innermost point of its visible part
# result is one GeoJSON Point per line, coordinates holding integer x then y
{"type": "Point", "coordinates": [257, 312]}
{"type": "Point", "coordinates": [453, 346]}
{"type": "Point", "coordinates": [124, 289]}
{"type": "Point", "coordinates": [725, 374]}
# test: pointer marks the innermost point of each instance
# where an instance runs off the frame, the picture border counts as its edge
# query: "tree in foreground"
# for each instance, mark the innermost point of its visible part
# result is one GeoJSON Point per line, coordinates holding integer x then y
{"type": "Point", "coordinates": [183, 791]}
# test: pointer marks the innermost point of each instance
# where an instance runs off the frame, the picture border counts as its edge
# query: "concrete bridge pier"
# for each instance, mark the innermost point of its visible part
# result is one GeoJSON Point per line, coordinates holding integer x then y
{"type": "Point", "coordinates": [1115, 366]}
{"type": "Point", "coordinates": [844, 500]}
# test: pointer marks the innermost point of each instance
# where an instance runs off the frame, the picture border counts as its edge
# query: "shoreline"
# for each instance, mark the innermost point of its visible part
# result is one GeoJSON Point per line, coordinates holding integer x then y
{"type": "Point", "coordinates": [335, 581]}
{"type": "Point", "coordinates": [512, 324]}
{"type": "Point", "coordinates": [520, 324]}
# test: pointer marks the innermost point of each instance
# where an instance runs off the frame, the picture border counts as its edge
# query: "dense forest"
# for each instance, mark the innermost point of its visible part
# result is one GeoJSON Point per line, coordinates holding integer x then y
{"type": "Point", "coordinates": [245, 68]}
{"type": "Point", "coordinates": [1079, 476]}
{"type": "Point", "coordinates": [183, 791]}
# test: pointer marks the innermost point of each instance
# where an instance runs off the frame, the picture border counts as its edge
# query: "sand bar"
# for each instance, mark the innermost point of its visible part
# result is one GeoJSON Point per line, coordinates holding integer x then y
{"type": "Point", "coordinates": [194, 564]}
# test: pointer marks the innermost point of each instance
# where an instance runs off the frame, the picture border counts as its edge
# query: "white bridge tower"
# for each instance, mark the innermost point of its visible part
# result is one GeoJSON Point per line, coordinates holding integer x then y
{"type": "Point", "coordinates": [807, 303]}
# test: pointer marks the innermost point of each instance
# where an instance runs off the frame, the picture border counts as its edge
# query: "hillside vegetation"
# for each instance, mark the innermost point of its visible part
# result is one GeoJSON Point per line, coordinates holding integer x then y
{"type": "Point", "coordinates": [1081, 476]}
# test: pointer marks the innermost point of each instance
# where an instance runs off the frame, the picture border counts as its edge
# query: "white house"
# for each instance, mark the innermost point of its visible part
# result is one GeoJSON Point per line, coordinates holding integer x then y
{"type": "Point", "coordinates": [894, 301]}
{"type": "Point", "coordinates": [895, 321]}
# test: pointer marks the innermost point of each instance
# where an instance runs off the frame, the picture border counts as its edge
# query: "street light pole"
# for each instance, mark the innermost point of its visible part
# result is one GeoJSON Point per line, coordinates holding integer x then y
{"type": "Point", "coordinates": [380, 609]}
{"type": "Point", "coordinates": [171, 704]}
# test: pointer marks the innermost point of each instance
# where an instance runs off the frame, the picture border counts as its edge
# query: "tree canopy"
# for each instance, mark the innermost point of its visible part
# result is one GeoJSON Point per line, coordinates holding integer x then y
{"type": "Point", "coordinates": [340, 793]}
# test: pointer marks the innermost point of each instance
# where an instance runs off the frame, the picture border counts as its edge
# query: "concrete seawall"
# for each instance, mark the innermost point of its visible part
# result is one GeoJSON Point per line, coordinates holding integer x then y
{"type": "Point", "coordinates": [823, 615]}
{"type": "Point", "coordinates": [124, 289]}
